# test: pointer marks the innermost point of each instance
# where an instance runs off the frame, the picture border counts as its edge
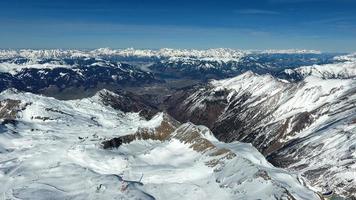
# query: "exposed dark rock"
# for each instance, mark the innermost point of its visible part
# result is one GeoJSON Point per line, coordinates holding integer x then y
{"type": "Point", "coordinates": [169, 129]}
{"type": "Point", "coordinates": [112, 143]}
{"type": "Point", "coordinates": [9, 121]}
{"type": "Point", "coordinates": [128, 102]}
{"type": "Point", "coordinates": [58, 111]}
{"type": "Point", "coordinates": [178, 105]}
{"type": "Point", "coordinates": [162, 132]}
{"type": "Point", "coordinates": [9, 109]}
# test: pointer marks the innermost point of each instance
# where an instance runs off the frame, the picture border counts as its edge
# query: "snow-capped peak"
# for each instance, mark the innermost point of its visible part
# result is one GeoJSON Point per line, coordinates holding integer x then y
{"type": "Point", "coordinates": [349, 57]}
{"type": "Point", "coordinates": [291, 51]}
{"type": "Point", "coordinates": [250, 82]}
{"type": "Point", "coordinates": [218, 53]}
{"type": "Point", "coordinates": [345, 67]}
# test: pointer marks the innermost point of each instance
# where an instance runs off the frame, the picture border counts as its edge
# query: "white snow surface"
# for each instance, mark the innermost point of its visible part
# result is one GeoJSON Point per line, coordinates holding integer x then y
{"type": "Point", "coordinates": [54, 152]}
{"type": "Point", "coordinates": [291, 51]}
{"type": "Point", "coordinates": [345, 67]}
{"type": "Point", "coordinates": [250, 82]}
{"type": "Point", "coordinates": [306, 95]}
{"type": "Point", "coordinates": [348, 57]}
{"type": "Point", "coordinates": [13, 68]}
{"type": "Point", "coordinates": [37, 63]}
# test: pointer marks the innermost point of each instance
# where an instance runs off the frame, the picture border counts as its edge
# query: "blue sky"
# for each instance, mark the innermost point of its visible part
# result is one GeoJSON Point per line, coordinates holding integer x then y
{"type": "Point", "coordinates": [255, 24]}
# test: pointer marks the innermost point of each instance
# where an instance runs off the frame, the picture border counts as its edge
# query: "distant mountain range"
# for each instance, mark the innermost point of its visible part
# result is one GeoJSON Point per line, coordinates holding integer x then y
{"type": "Point", "coordinates": [56, 70]}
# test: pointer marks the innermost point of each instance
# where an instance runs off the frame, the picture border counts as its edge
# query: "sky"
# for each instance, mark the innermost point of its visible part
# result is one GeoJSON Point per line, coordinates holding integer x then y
{"type": "Point", "coordinates": [326, 25]}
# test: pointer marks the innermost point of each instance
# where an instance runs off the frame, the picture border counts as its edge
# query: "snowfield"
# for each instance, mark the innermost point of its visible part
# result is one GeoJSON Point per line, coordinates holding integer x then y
{"type": "Point", "coordinates": [53, 150]}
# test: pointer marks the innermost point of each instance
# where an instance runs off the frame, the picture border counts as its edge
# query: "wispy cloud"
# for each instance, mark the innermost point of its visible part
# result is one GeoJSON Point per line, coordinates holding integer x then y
{"type": "Point", "coordinates": [345, 24]}
{"type": "Point", "coordinates": [85, 28]}
{"type": "Point", "coordinates": [256, 12]}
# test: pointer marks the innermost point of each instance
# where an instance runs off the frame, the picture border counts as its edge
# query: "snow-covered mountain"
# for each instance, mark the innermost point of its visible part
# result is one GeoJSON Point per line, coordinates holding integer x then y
{"type": "Point", "coordinates": [305, 126]}
{"type": "Point", "coordinates": [345, 69]}
{"type": "Point", "coordinates": [349, 57]}
{"type": "Point", "coordinates": [161, 53]}
{"type": "Point", "coordinates": [54, 149]}
{"type": "Point", "coordinates": [56, 74]}
{"type": "Point", "coordinates": [218, 53]}
{"type": "Point", "coordinates": [261, 63]}
{"type": "Point", "coordinates": [161, 134]}
{"type": "Point", "coordinates": [52, 71]}
{"type": "Point", "coordinates": [291, 51]}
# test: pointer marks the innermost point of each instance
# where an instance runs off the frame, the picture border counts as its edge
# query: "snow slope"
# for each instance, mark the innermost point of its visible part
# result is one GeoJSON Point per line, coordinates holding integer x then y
{"type": "Point", "coordinates": [306, 126]}
{"type": "Point", "coordinates": [344, 67]}
{"type": "Point", "coordinates": [53, 150]}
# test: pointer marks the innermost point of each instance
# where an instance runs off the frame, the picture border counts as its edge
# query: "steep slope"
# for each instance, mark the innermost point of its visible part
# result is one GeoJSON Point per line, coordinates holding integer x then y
{"type": "Point", "coordinates": [55, 151]}
{"type": "Point", "coordinates": [299, 119]}
{"type": "Point", "coordinates": [128, 102]}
